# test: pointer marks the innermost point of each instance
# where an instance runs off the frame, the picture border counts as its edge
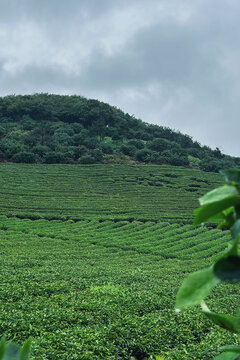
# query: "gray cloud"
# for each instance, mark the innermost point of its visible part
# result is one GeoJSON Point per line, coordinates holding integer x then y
{"type": "Point", "coordinates": [174, 63]}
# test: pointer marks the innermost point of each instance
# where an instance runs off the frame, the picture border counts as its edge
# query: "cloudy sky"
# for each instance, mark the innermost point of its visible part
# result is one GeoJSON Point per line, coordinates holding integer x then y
{"type": "Point", "coordinates": [174, 63]}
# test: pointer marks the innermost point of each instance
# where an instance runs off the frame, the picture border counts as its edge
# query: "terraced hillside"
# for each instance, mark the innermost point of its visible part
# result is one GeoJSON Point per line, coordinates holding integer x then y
{"type": "Point", "coordinates": [92, 258]}
{"type": "Point", "coordinates": [103, 191]}
{"type": "Point", "coordinates": [89, 290]}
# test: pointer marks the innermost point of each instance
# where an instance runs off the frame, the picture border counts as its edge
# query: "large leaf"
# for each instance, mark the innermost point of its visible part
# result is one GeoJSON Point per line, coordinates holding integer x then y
{"type": "Point", "coordinates": [228, 268]}
{"type": "Point", "coordinates": [233, 348]}
{"type": "Point", "coordinates": [227, 322]}
{"type": "Point", "coordinates": [219, 194]}
{"type": "Point", "coordinates": [229, 217]}
{"type": "Point", "coordinates": [214, 202]}
{"type": "Point", "coordinates": [25, 350]}
{"type": "Point", "coordinates": [235, 230]}
{"type": "Point", "coordinates": [196, 287]}
{"type": "Point", "coordinates": [2, 347]}
{"type": "Point", "coordinates": [12, 351]}
{"type": "Point", "coordinates": [232, 176]}
{"type": "Point", "coordinates": [229, 355]}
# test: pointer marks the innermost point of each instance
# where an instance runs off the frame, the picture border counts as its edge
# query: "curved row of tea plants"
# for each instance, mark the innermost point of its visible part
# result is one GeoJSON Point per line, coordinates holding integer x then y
{"type": "Point", "coordinates": [103, 191]}
{"type": "Point", "coordinates": [96, 290]}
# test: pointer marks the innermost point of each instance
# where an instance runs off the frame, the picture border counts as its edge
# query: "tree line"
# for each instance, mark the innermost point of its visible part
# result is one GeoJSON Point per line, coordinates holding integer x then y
{"type": "Point", "coordinates": [46, 128]}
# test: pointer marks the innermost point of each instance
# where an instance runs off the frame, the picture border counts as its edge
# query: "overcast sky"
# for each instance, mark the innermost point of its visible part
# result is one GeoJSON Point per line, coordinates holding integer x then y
{"type": "Point", "coordinates": [174, 63]}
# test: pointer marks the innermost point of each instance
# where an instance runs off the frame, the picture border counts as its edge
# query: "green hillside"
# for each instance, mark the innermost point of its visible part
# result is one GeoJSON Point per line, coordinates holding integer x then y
{"type": "Point", "coordinates": [44, 128]}
{"type": "Point", "coordinates": [92, 257]}
{"type": "Point", "coordinates": [146, 192]}
{"type": "Point", "coordinates": [106, 291]}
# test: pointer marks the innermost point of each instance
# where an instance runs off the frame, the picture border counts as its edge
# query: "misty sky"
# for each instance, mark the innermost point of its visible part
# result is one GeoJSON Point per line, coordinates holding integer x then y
{"type": "Point", "coordinates": [174, 63]}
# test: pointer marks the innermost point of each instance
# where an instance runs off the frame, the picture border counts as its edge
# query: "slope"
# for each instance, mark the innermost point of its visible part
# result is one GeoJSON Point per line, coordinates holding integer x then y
{"type": "Point", "coordinates": [44, 128]}
{"type": "Point", "coordinates": [106, 291]}
{"type": "Point", "coordinates": [146, 192]}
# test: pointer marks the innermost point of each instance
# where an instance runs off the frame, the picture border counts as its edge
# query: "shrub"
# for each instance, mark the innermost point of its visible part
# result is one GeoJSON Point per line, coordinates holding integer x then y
{"type": "Point", "coordinates": [144, 155]}
{"type": "Point", "coordinates": [168, 157]}
{"type": "Point", "coordinates": [24, 157]}
{"type": "Point", "coordinates": [158, 145]}
{"type": "Point", "coordinates": [221, 205]}
{"type": "Point", "coordinates": [97, 155]}
{"type": "Point", "coordinates": [128, 149]}
{"type": "Point", "coordinates": [86, 159]}
{"type": "Point", "coordinates": [117, 159]}
{"type": "Point", "coordinates": [9, 148]}
{"type": "Point", "coordinates": [106, 148]}
{"type": "Point", "coordinates": [55, 157]}
{"type": "Point", "coordinates": [40, 150]}
{"type": "Point", "coordinates": [193, 161]}
{"type": "Point", "coordinates": [139, 144]}
{"type": "Point", "coordinates": [194, 152]}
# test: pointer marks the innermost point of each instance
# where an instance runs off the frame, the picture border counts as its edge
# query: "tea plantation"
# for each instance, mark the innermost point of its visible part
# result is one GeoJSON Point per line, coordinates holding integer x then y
{"type": "Point", "coordinates": [147, 192]}
{"type": "Point", "coordinates": [92, 258]}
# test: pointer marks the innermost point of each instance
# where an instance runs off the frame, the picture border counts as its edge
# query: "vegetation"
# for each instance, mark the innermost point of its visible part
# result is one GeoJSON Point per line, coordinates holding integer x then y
{"type": "Point", "coordinates": [52, 129]}
{"type": "Point", "coordinates": [102, 191]}
{"type": "Point", "coordinates": [92, 257]}
{"type": "Point", "coordinates": [223, 205]}
{"type": "Point", "coordinates": [105, 290]}
{"type": "Point", "coordinates": [12, 351]}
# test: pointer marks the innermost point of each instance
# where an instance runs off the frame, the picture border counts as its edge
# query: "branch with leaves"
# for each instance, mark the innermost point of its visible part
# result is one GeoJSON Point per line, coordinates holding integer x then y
{"type": "Point", "coordinates": [220, 205]}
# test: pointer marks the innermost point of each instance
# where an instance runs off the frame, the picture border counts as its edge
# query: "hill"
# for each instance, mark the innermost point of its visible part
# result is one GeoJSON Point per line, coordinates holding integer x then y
{"type": "Point", "coordinates": [44, 128]}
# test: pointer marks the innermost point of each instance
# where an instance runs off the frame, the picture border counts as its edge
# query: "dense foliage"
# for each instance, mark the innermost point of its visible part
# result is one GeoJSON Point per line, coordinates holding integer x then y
{"type": "Point", "coordinates": [45, 128]}
{"type": "Point", "coordinates": [222, 205]}
{"type": "Point", "coordinates": [95, 290]}
{"type": "Point", "coordinates": [103, 191]}
{"type": "Point", "coordinates": [92, 256]}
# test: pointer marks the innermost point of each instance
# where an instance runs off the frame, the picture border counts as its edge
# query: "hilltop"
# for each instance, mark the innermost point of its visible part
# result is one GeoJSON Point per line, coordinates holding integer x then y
{"type": "Point", "coordinates": [45, 128]}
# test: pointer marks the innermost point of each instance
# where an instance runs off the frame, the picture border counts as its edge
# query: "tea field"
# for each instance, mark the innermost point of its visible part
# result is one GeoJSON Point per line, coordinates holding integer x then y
{"type": "Point", "coordinates": [147, 192]}
{"type": "Point", "coordinates": [92, 258]}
